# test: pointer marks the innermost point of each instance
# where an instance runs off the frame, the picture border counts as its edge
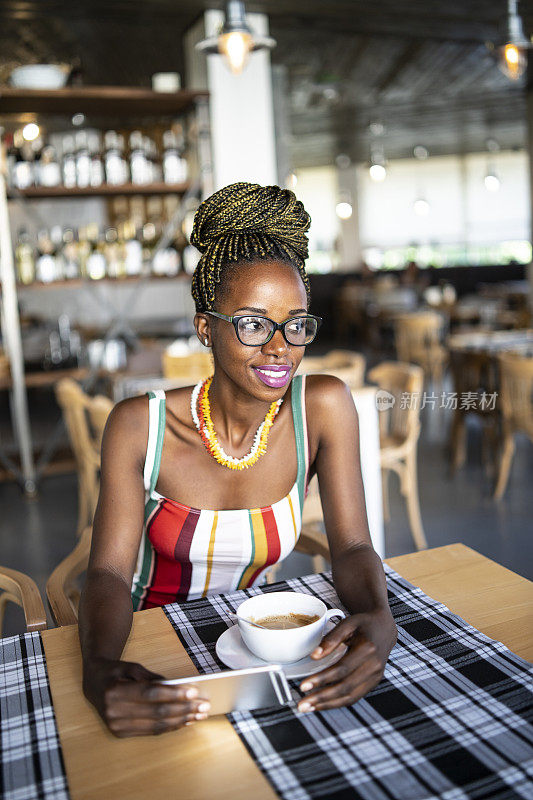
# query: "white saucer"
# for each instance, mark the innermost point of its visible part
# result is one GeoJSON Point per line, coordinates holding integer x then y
{"type": "Point", "coordinates": [231, 649]}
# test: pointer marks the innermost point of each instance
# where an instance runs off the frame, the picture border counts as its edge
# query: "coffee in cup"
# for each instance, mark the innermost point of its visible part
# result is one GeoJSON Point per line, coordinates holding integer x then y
{"type": "Point", "coordinates": [283, 644]}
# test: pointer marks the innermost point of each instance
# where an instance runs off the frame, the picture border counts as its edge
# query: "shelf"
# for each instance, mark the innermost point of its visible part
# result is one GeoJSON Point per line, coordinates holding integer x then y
{"type": "Point", "coordinates": [106, 190]}
{"type": "Point", "coordinates": [42, 378]}
{"type": "Point", "coordinates": [97, 101]}
{"type": "Point", "coordinates": [77, 283]}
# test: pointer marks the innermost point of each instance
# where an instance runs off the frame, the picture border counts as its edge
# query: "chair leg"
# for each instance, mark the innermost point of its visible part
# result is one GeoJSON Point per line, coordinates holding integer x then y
{"type": "Point", "coordinates": [505, 466]}
{"type": "Point", "coordinates": [410, 489]}
{"type": "Point", "coordinates": [83, 506]}
{"type": "Point", "coordinates": [385, 492]}
{"type": "Point", "coordinates": [319, 564]}
{"type": "Point", "coordinates": [458, 440]}
{"type": "Point", "coordinates": [5, 598]}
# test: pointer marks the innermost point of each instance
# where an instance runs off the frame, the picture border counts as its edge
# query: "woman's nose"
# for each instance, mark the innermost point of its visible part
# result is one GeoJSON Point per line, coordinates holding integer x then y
{"type": "Point", "coordinates": [276, 346]}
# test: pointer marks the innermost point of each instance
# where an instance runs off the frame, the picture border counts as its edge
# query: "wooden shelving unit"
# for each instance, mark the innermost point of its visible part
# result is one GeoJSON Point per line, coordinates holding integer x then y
{"type": "Point", "coordinates": [106, 190]}
{"type": "Point", "coordinates": [77, 283]}
{"type": "Point", "coordinates": [103, 106]}
{"type": "Point", "coordinates": [100, 101]}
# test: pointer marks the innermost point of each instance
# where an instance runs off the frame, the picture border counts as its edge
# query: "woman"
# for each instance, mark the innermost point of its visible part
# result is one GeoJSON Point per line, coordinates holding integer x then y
{"type": "Point", "coordinates": [206, 469]}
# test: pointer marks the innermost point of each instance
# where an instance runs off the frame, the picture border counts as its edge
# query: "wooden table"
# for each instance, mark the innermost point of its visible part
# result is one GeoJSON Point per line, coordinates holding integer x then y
{"type": "Point", "coordinates": [208, 760]}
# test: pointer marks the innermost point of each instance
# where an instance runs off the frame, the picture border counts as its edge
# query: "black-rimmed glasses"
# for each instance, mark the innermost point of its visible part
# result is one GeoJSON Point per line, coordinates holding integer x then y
{"type": "Point", "coordinates": [255, 331]}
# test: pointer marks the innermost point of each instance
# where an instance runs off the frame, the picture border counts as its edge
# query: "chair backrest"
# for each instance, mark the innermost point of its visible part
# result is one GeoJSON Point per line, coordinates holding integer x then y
{"type": "Point", "coordinates": [16, 587]}
{"type": "Point", "coordinates": [193, 366]}
{"type": "Point", "coordinates": [472, 372]}
{"type": "Point", "coordinates": [85, 418]}
{"type": "Point", "coordinates": [61, 588]}
{"type": "Point", "coordinates": [347, 365]}
{"type": "Point", "coordinates": [516, 392]}
{"type": "Point", "coordinates": [400, 415]}
{"type": "Point", "coordinates": [418, 334]}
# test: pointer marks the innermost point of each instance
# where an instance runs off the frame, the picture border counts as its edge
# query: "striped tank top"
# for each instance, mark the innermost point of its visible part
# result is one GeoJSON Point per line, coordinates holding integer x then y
{"type": "Point", "coordinates": [187, 553]}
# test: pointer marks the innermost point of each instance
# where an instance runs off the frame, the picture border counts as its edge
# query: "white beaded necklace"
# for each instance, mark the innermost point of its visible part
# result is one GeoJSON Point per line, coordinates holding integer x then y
{"type": "Point", "coordinates": [244, 461]}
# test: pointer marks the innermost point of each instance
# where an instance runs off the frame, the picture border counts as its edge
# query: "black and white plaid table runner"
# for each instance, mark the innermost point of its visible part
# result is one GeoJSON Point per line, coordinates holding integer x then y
{"type": "Point", "coordinates": [452, 717]}
{"type": "Point", "coordinates": [31, 760]}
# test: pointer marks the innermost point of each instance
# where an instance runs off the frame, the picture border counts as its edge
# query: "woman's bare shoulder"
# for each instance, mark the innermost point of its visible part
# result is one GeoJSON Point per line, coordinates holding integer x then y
{"type": "Point", "coordinates": [127, 426]}
{"type": "Point", "coordinates": [329, 404]}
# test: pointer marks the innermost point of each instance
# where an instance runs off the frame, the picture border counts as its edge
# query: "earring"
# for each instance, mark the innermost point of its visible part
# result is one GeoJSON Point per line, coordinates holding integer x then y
{"type": "Point", "coordinates": [206, 342]}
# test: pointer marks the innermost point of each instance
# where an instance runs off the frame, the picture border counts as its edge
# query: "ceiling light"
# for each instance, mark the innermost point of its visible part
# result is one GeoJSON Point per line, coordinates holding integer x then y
{"type": "Point", "coordinates": [421, 207]}
{"type": "Point", "coordinates": [512, 52]}
{"type": "Point", "coordinates": [492, 182]}
{"type": "Point", "coordinates": [420, 152]}
{"type": "Point", "coordinates": [377, 172]}
{"type": "Point", "coordinates": [343, 210]}
{"type": "Point", "coordinates": [236, 39]}
{"type": "Point", "coordinates": [30, 131]}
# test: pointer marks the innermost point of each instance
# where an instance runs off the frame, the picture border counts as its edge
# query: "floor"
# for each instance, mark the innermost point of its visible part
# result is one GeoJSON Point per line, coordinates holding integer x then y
{"type": "Point", "coordinates": [36, 534]}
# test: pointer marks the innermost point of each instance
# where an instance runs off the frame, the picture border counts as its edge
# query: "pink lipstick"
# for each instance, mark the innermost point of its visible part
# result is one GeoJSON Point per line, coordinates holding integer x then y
{"type": "Point", "coordinates": [275, 377]}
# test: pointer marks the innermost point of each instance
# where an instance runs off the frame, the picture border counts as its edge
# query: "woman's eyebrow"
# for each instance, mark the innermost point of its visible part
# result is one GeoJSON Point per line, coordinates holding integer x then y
{"type": "Point", "coordinates": [264, 311]}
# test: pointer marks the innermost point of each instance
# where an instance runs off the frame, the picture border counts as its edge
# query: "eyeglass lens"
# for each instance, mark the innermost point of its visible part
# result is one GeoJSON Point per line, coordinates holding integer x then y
{"type": "Point", "coordinates": [257, 330]}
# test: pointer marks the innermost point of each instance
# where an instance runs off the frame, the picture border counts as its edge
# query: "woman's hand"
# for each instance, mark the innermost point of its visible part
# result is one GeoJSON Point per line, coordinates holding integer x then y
{"type": "Point", "coordinates": [132, 703]}
{"type": "Point", "coordinates": [370, 638]}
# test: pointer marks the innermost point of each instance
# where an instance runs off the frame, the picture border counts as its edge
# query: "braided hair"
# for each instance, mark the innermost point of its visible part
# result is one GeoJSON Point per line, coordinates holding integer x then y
{"type": "Point", "coordinates": [244, 222]}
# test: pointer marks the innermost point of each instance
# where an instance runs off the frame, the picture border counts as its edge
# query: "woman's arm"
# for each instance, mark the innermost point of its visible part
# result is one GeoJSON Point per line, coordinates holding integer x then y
{"type": "Point", "coordinates": [358, 575]}
{"type": "Point", "coordinates": [125, 694]}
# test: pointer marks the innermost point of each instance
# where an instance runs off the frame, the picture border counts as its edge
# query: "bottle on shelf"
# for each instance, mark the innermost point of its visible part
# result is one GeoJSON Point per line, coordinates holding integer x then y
{"type": "Point", "coordinates": [132, 248]}
{"type": "Point", "coordinates": [114, 254]}
{"type": "Point", "coordinates": [174, 166]}
{"type": "Point", "coordinates": [49, 170]}
{"type": "Point", "coordinates": [24, 258]}
{"type": "Point", "coordinates": [96, 167]}
{"type": "Point", "coordinates": [71, 267]}
{"type": "Point", "coordinates": [83, 251]}
{"type": "Point", "coordinates": [69, 162]}
{"type": "Point", "coordinates": [116, 168]}
{"type": "Point", "coordinates": [83, 161]}
{"type": "Point", "coordinates": [140, 166]}
{"type": "Point", "coordinates": [96, 262]}
{"type": "Point", "coordinates": [56, 237]}
{"type": "Point", "coordinates": [23, 169]}
{"type": "Point", "coordinates": [45, 267]}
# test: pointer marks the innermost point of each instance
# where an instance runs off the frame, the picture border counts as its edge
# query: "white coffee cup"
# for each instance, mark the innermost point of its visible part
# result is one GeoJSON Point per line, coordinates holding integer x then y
{"type": "Point", "coordinates": [292, 644]}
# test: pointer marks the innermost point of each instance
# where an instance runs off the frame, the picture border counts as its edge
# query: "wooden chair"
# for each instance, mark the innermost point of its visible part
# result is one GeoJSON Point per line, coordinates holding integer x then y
{"type": "Point", "coordinates": [474, 375]}
{"type": "Point", "coordinates": [85, 418]}
{"type": "Point", "coordinates": [16, 587]}
{"type": "Point", "coordinates": [62, 590]}
{"type": "Point", "coordinates": [347, 365]}
{"type": "Point", "coordinates": [418, 339]}
{"type": "Point", "coordinates": [399, 425]}
{"type": "Point", "coordinates": [516, 399]}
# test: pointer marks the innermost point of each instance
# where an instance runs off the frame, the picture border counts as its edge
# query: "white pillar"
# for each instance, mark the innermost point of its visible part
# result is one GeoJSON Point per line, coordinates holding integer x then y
{"type": "Point", "coordinates": [365, 403]}
{"type": "Point", "coordinates": [240, 106]}
{"type": "Point", "coordinates": [350, 253]}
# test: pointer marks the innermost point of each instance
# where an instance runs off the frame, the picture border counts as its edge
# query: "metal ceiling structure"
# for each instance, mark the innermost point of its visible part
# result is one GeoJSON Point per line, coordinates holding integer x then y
{"type": "Point", "coordinates": [420, 68]}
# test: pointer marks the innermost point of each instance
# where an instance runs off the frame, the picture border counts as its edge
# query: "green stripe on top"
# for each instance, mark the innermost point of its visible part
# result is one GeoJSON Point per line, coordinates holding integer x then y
{"type": "Point", "coordinates": [299, 434]}
{"type": "Point", "coordinates": [159, 446]}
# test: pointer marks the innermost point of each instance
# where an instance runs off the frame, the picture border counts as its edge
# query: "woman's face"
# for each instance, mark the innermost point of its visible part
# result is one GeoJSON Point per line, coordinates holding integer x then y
{"type": "Point", "coordinates": [271, 289]}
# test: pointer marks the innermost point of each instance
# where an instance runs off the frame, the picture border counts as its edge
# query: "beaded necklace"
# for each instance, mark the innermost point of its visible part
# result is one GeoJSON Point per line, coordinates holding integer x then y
{"type": "Point", "coordinates": [204, 425]}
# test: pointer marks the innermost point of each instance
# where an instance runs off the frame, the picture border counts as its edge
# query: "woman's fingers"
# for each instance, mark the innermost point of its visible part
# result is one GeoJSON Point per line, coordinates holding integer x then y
{"type": "Point", "coordinates": [140, 726]}
{"type": "Point", "coordinates": [360, 652]}
{"type": "Point", "coordinates": [125, 709]}
{"type": "Point", "coordinates": [150, 692]}
{"type": "Point", "coordinates": [360, 665]}
{"type": "Point", "coordinates": [343, 631]}
{"type": "Point", "coordinates": [339, 701]}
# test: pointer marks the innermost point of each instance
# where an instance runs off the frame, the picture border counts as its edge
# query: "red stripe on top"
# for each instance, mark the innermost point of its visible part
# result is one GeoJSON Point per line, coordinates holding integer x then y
{"type": "Point", "coordinates": [272, 540]}
{"type": "Point", "coordinates": [172, 572]}
{"type": "Point", "coordinates": [182, 550]}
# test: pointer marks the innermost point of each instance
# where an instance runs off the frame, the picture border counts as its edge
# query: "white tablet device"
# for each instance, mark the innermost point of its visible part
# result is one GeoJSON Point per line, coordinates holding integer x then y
{"type": "Point", "coordinates": [240, 689]}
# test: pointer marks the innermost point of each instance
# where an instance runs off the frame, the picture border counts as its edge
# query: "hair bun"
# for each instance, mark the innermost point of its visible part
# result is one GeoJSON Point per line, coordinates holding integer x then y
{"type": "Point", "coordinates": [243, 209]}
